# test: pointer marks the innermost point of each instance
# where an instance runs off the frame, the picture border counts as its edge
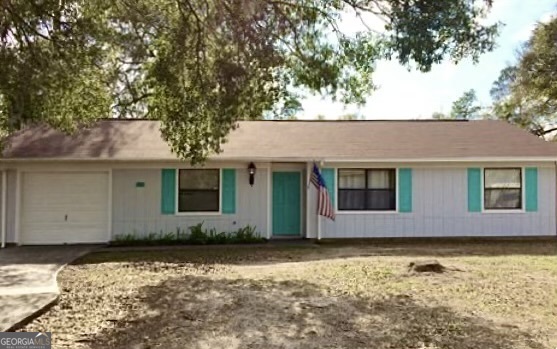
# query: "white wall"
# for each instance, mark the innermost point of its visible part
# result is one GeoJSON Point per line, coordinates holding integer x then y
{"type": "Point", "coordinates": [10, 204]}
{"type": "Point", "coordinates": [138, 210]}
{"type": "Point", "coordinates": [440, 208]}
{"type": "Point", "coordinates": [439, 204]}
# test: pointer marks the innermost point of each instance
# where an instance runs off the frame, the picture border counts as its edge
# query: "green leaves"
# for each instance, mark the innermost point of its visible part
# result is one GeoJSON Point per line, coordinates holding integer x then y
{"type": "Point", "coordinates": [466, 107]}
{"type": "Point", "coordinates": [526, 94]}
{"type": "Point", "coordinates": [202, 65]}
{"type": "Point", "coordinates": [426, 32]}
{"type": "Point", "coordinates": [50, 71]}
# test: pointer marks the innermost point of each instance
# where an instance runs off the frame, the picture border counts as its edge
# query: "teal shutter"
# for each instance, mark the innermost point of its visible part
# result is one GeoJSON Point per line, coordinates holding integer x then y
{"type": "Point", "coordinates": [168, 191]}
{"type": "Point", "coordinates": [229, 191]}
{"type": "Point", "coordinates": [329, 177]}
{"type": "Point", "coordinates": [405, 190]}
{"type": "Point", "coordinates": [474, 190]}
{"type": "Point", "coordinates": [531, 190]}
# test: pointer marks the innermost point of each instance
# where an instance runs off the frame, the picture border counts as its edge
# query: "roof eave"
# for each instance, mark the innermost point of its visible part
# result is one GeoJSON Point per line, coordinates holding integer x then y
{"type": "Point", "coordinates": [295, 159]}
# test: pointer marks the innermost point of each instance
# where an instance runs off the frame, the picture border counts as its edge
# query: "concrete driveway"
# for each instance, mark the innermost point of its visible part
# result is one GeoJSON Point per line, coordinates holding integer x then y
{"type": "Point", "coordinates": [28, 279]}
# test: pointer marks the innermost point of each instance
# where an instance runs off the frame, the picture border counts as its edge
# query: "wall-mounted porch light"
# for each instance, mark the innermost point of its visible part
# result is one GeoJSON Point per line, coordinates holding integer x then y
{"type": "Point", "coordinates": [251, 170]}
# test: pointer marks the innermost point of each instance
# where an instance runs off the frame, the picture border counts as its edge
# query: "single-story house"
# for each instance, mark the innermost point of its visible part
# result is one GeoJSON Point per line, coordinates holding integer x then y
{"type": "Point", "coordinates": [386, 179]}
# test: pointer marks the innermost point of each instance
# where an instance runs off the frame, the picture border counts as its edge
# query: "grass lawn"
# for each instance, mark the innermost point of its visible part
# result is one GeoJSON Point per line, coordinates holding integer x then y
{"type": "Point", "coordinates": [494, 295]}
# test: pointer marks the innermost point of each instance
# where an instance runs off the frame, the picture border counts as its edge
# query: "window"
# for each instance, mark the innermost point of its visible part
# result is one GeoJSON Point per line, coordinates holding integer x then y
{"type": "Point", "coordinates": [198, 190]}
{"type": "Point", "coordinates": [502, 188]}
{"type": "Point", "coordinates": [367, 190]}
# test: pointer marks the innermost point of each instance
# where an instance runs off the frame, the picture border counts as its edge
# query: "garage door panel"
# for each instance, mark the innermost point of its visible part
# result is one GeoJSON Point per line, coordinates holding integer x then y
{"type": "Point", "coordinates": [64, 207]}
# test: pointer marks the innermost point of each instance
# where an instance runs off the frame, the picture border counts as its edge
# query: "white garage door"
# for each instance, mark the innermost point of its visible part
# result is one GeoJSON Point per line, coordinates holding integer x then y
{"type": "Point", "coordinates": [64, 207]}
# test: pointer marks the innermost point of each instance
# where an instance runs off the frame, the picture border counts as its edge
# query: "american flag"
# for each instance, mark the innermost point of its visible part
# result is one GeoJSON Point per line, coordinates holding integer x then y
{"type": "Point", "coordinates": [324, 203]}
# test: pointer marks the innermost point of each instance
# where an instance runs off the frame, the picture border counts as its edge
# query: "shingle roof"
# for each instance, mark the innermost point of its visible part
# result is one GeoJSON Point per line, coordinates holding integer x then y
{"type": "Point", "coordinates": [291, 140]}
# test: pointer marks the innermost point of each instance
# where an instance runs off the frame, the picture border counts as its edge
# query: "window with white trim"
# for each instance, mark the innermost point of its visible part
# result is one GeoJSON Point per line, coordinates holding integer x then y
{"type": "Point", "coordinates": [198, 190]}
{"type": "Point", "coordinates": [502, 188]}
{"type": "Point", "coordinates": [367, 189]}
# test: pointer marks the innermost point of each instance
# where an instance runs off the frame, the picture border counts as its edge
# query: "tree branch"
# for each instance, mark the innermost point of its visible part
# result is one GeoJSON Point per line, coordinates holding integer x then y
{"type": "Point", "coordinates": [541, 132]}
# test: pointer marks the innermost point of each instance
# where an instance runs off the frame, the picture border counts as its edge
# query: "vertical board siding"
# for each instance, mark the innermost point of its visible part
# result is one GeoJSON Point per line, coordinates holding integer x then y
{"type": "Point", "coordinates": [168, 191]}
{"type": "Point", "coordinates": [405, 189]}
{"type": "Point", "coordinates": [10, 205]}
{"type": "Point", "coordinates": [228, 191]}
{"type": "Point", "coordinates": [329, 177]}
{"type": "Point", "coordinates": [311, 230]}
{"type": "Point", "coordinates": [138, 210]}
{"type": "Point", "coordinates": [440, 208]}
{"type": "Point", "coordinates": [531, 183]}
{"type": "Point", "coordinates": [474, 190]}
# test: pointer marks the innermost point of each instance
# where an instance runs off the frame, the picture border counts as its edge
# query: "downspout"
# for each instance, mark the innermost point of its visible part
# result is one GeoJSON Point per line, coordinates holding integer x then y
{"type": "Point", "coordinates": [4, 208]}
{"type": "Point", "coordinates": [308, 215]}
{"type": "Point", "coordinates": [318, 227]}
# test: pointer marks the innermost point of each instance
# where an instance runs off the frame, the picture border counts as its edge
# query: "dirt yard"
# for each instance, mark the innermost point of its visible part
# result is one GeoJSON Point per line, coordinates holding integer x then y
{"type": "Point", "coordinates": [493, 295]}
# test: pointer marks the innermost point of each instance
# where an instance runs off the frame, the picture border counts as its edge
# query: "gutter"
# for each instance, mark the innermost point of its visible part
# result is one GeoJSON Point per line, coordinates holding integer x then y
{"type": "Point", "coordinates": [248, 158]}
{"type": "Point", "coordinates": [4, 208]}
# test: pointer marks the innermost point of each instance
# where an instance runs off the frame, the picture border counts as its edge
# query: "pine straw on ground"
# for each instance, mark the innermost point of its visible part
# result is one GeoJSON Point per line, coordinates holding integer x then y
{"type": "Point", "coordinates": [494, 295]}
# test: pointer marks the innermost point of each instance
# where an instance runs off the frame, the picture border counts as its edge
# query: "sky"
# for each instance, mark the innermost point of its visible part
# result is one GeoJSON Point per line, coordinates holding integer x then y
{"type": "Point", "coordinates": [404, 94]}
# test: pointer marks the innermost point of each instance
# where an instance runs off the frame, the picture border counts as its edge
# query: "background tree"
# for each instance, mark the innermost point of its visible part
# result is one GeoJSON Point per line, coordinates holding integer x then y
{"type": "Point", "coordinates": [200, 66]}
{"type": "Point", "coordinates": [439, 115]}
{"type": "Point", "coordinates": [466, 107]}
{"type": "Point", "coordinates": [351, 117]}
{"type": "Point", "coordinates": [526, 93]}
{"type": "Point", "coordinates": [289, 108]}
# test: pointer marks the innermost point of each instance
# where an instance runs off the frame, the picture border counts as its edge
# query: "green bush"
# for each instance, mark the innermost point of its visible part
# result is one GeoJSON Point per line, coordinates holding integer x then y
{"type": "Point", "coordinates": [215, 238]}
{"type": "Point", "coordinates": [197, 236]}
{"type": "Point", "coordinates": [245, 234]}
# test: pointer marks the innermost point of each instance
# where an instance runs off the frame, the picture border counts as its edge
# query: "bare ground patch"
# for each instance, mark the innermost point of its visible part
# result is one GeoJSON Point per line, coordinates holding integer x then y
{"type": "Point", "coordinates": [497, 296]}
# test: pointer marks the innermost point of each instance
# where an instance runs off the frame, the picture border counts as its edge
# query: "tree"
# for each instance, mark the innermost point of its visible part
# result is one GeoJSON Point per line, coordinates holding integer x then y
{"type": "Point", "coordinates": [288, 110]}
{"type": "Point", "coordinates": [200, 66]}
{"type": "Point", "coordinates": [351, 117]}
{"type": "Point", "coordinates": [439, 116]}
{"type": "Point", "coordinates": [525, 94]}
{"type": "Point", "coordinates": [466, 107]}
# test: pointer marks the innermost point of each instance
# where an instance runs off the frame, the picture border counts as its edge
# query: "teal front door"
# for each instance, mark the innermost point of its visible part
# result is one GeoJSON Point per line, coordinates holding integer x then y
{"type": "Point", "coordinates": [286, 203]}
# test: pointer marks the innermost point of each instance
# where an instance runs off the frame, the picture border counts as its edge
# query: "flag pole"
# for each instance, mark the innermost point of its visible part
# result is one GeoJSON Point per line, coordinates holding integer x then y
{"type": "Point", "coordinates": [318, 215]}
{"type": "Point", "coordinates": [318, 227]}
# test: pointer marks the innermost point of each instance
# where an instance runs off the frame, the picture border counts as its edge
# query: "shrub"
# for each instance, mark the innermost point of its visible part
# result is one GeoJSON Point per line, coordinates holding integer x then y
{"type": "Point", "coordinates": [197, 236]}
{"type": "Point", "coordinates": [246, 234]}
{"type": "Point", "coordinates": [215, 238]}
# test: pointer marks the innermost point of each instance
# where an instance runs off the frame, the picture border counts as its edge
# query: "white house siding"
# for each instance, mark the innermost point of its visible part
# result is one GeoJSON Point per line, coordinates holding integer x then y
{"type": "Point", "coordinates": [11, 184]}
{"type": "Point", "coordinates": [440, 209]}
{"type": "Point", "coordinates": [439, 204]}
{"type": "Point", "coordinates": [10, 205]}
{"type": "Point", "coordinates": [138, 210]}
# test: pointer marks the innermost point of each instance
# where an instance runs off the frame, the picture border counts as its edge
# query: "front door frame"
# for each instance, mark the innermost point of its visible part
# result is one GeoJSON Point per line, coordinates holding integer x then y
{"type": "Point", "coordinates": [300, 171]}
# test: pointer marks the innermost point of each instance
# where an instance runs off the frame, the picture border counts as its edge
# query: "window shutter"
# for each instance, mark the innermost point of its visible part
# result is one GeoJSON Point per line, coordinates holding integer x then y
{"type": "Point", "coordinates": [405, 190]}
{"type": "Point", "coordinates": [329, 177]}
{"type": "Point", "coordinates": [168, 191]}
{"type": "Point", "coordinates": [474, 190]}
{"type": "Point", "coordinates": [531, 182]}
{"type": "Point", "coordinates": [228, 191]}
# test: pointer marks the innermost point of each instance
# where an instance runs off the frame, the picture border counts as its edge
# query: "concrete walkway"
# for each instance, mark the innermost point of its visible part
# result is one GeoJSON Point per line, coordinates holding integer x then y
{"type": "Point", "coordinates": [28, 279]}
